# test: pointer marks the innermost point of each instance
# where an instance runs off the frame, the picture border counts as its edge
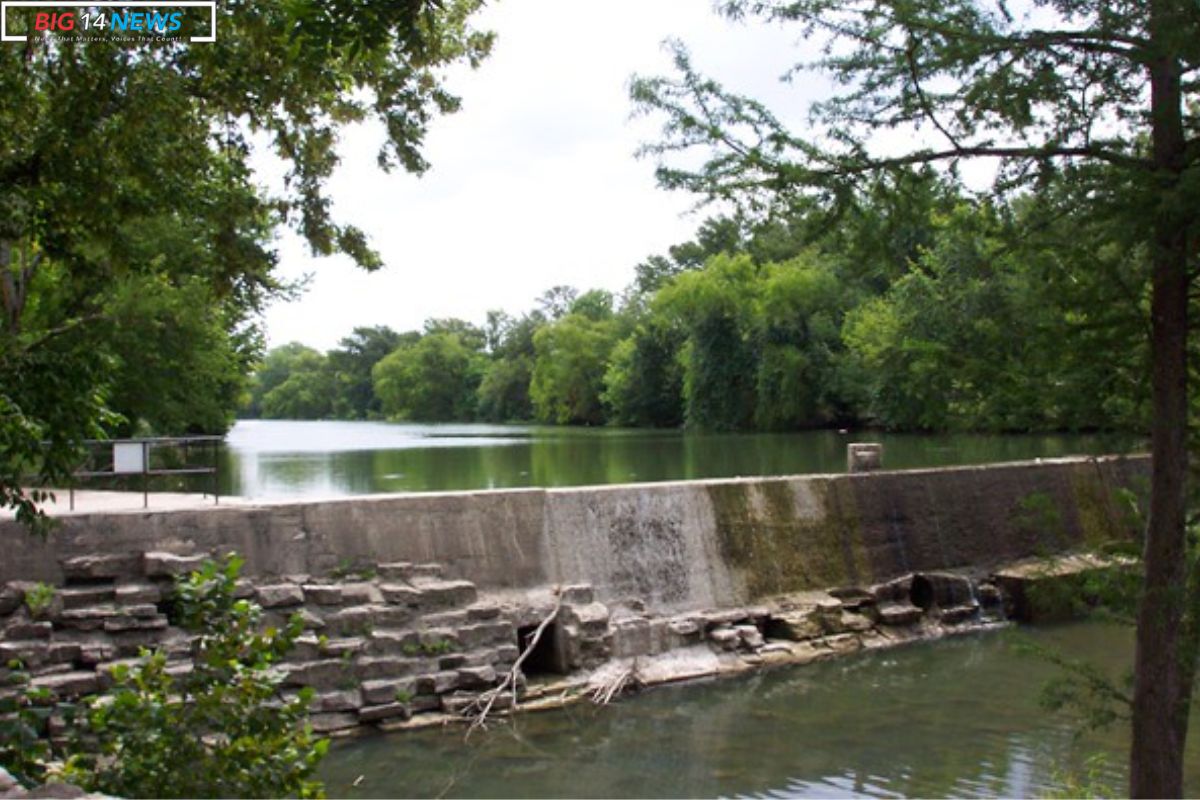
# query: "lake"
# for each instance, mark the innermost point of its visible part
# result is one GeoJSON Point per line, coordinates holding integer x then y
{"type": "Point", "coordinates": [280, 458]}
{"type": "Point", "coordinates": [957, 717]}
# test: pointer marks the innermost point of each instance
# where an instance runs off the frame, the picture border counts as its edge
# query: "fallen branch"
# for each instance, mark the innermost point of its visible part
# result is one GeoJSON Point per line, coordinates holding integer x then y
{"type": "Point", "coordinates": [488, 699]}
{"type": "Point", "coordinates": [604, 693]}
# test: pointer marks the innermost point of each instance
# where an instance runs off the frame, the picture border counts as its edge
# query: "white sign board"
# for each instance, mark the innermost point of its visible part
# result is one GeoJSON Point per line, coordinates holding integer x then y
{"type": "Point", "coordinates": [129, 457]}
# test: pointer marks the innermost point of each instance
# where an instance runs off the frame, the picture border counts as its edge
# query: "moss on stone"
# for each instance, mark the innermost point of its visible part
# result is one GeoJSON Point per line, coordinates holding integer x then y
{"type": "Point", "coordinates": [774, 548]}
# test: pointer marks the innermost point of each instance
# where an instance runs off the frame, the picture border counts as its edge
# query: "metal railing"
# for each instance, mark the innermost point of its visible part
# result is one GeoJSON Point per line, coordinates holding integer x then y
{"type": "Point", "coordinates": [123, 458]}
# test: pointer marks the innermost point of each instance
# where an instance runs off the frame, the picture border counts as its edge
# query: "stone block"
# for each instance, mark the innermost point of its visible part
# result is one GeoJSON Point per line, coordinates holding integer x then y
{"type": "Point", "coordinates": [333, 722]}
{"type": "Point", "coordinates": [388, 691]}
{"type": "Point", "coordinates": [749, 636]}
{"type": "Point", "coordinates": [170, 565]}
{"type": "Point", "coordinates": [486, 633]}
{"type": "Point", "coordinates": [327, 674]}
{"type": "Point", "coordinates": [631, 637]}
{"type": "Point", "coordinates": [452, 661]}
{"type": "Point", "coordinates": [855, 623]}
{"type": "Point", "coordinates": [27, 629]}
{"type": "Point", "coordinates": [32, 653]}
{"type": "Point", "coordinates": [393, 641]}
{"type": "Point", "coordinates": [68, 684]}
{"type": "Point", "coordinates": [476, 677]}
{"type": "Point", "coordinates": [429, 570]}
{"type": "Point", "coordinates": [376, 667]}
{"type": "Point", "coordinates": [797, 626]}
{"type": "Point", "coordinates": [135, 593]}
{"type": "Point", "coordinates": [482, 612]}
{"type": "Point", "coordinates": [79, 596]}
{"type": "Point", "coordinates": [323, 594]}
{"type": "Point", "coordinates": [125, 622]}
{"type": "Point", "coordinates": [396, 571]}
{"type": "Point", "coordinates": [578, 595]}
{"type": "Point", "coordinates": [12, 596]}
{"type": "Point", "coordinates": [342, 700]}
{"type": "Point", "coordinates": [899, 613]}
{"type": "Point", "coordinates": [724, 637]}
{"type": "Point", "coordinates": [361, 593]}
{"type": "Point", "coordinates": [371, 714]}
{"type": "Point", "coordinates": [353, 621]}
{"type": "Point", "coordinates": [437, 682]}
{"type": "Point", "coordinates": [425, 702]}
{"type": "Point", "coordinates": [446, 594]}
{"type": "Point", "coordinates": [955, 615]}
{"type": "Point", "coordinates": [279, 595]}
{"type": "Point", "coordinates": [591, 619]}
{"type": "Point", "coordinates": [401, 594]}
{"type": "Point", "coordinates": [90, 568]}
{"type": "Point", "coordinates": [445, 619]}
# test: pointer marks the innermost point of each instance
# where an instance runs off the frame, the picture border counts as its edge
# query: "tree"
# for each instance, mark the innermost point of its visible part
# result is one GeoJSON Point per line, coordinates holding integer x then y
{"type": "Point", "coordinates": [351, 364]}
{"type": "Point", "coordinates": [1102, 93]}
{"type": "Point", "coordinates": [568, 375]}
{"type": "Point", "coordinates": [433, 380]}
{"type": "Point", "coordinates": [107, 140]}
{"type": "Point", "coordinates": [292, 382]}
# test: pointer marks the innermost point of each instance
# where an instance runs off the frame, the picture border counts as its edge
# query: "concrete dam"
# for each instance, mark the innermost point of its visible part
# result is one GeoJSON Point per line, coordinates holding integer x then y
{"type": "Point", "coordinates": [417, 606]}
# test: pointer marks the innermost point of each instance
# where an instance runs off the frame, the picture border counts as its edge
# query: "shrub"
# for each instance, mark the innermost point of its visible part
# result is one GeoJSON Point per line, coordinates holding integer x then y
{"type": "Point", "coordinates": [219, 730]}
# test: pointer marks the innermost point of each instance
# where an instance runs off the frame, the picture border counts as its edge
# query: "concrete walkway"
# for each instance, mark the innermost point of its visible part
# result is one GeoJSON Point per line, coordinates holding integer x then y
{"type": "Point", "coordinates": [89, 501]}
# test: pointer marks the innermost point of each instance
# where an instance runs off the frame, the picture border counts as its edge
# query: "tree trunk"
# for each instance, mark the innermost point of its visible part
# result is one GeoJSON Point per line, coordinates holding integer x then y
{"type": "Point", "coordinates": [1162, 676]}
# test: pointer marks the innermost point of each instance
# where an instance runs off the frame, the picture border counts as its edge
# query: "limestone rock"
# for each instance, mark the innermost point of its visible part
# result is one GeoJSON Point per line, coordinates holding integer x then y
{"type": "Point", "coordinates": [388, 691]}
{"type": "Point", "coordinates": [476, 677]}
{"type": "Point", "coordinates": [68, 684]}
{"type": "Point", "coordinates": [79, 596]}
{"type": "Point", "coordinates": [396, 571]}
{"type": "Point", "coordinates": [170, 565]}
{"type": "Point", "coordinates": [369, 714]}
{"type": "Point", "coordinates": [334, 722]}
{"type": "Point", "coordinates": [577, 595]}
{"type": "Point", "coordinates": [279, 595]}
{"type": "Point", "coordinates": [898, 613]}
{"type": "Point", "coordinates": [401, 594]}
{"type": "Point", "coordinates": [343, 700]}
{"type": "Point", "coordinates": [323, 594]}
{"type": "Point", "coordinates": [133, 593]}
{"type": "Point", "coordinates": [446, 594]}
{"type": "Point", "coordinates": [87, 568]}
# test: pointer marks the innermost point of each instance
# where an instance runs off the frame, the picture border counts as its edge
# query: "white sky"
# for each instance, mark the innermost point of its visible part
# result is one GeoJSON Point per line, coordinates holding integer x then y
{"type": "Point", "coordinates": [534, 182]}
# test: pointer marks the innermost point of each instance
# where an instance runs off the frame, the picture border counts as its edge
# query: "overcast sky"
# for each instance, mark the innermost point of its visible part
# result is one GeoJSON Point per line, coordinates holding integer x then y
{"type": "Point", "coordinates": [534, 182]}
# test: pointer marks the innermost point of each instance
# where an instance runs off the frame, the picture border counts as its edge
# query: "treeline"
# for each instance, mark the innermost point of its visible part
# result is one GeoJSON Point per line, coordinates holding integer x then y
{"type": "Point", "coordinates": [909, 306]}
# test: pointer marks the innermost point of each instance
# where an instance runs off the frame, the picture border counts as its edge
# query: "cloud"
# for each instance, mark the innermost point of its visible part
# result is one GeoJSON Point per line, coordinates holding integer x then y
{"type": "Point", "coordinates": [534, 182]}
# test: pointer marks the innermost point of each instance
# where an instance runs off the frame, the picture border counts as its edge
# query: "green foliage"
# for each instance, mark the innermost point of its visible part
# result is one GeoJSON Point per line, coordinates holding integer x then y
{"type": "Point", "coordinates": [24, 721]}
{"type": "Point", "coordinates": [351, 363]}
{"type": "Point", "coordinates": [568, 375]}
{"type": "Point", "coordinates": [136, 246]}
{"type": "Point", "coordinates": [643, 384]}
{"type": "Point", "coordinates": [220, 730]}
{"type": "Point", "coordinates": [434, 379]}
{"type": "Point", "coordinates": [39, 598]}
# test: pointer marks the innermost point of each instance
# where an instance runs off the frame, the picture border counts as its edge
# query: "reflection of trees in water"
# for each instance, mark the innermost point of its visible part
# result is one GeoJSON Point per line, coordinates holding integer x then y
{"type": "Point", "coordinates": [575, 457]}
{"type": "Point", "coordinates": [957, 717]}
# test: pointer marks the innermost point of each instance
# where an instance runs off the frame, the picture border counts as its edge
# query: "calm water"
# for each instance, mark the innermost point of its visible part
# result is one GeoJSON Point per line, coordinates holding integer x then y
{"type": "Point", "coordinates": [273, 458]}
{"type": "Point", "coordinates": [952, 718]}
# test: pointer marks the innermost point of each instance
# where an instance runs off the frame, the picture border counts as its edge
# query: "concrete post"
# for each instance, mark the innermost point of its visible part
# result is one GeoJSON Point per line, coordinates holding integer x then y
{"type": "Point", "coordinates": [864, 457]}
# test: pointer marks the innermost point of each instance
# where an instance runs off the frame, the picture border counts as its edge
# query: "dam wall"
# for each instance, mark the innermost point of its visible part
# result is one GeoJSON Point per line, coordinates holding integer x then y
{"type": "Point", "coordinates": [424, 609]}
{"type": "Point", "coordinates": [692, 544]}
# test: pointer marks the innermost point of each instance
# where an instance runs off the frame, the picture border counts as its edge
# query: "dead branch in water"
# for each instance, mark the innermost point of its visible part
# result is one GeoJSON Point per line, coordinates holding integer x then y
{"type": "Point", "coordinates": [604, 693]}
{"type": "Point", "coordinates": [488, 699]}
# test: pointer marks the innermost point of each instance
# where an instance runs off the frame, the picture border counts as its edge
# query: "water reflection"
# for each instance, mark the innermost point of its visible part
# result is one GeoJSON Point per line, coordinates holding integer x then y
{"type": "Point", "coordinates": [952, 718]}
{"type": "Point", "coordinates": [315, 459]}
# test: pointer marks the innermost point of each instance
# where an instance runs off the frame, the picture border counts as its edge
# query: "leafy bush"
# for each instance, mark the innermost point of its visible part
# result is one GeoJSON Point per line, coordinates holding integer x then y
{"type": "Point", "coordinates": [221, 729]}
